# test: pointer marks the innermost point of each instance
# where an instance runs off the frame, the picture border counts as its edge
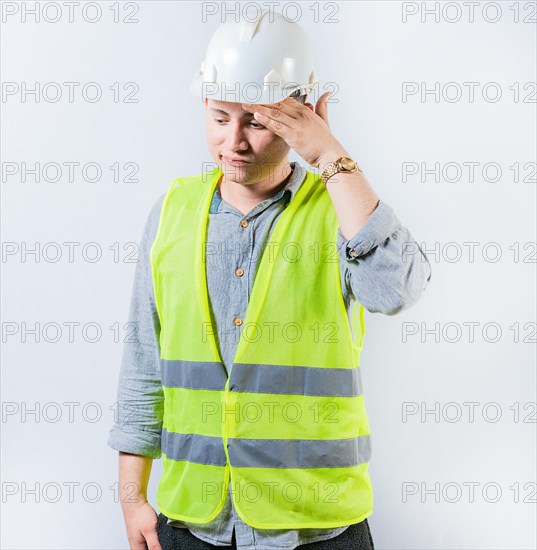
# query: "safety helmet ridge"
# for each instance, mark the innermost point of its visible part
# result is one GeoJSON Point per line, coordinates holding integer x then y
{"type": "Point", "coordinates": [261, 61]}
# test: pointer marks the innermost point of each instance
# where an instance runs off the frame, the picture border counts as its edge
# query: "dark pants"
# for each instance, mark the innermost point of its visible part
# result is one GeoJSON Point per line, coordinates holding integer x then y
{"type": "Point", "coordinates": [355, 537]}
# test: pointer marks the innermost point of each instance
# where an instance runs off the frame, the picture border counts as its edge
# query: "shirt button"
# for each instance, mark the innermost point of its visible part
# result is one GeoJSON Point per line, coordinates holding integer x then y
{"type": "Point", "coordinates": [237, 321]}
{"type": "Point", "coordinates": [239, 272]}
{"type": "Point", "coordinates": [352, 252]}
{"type": "Point", "coordinates": [244, 223]}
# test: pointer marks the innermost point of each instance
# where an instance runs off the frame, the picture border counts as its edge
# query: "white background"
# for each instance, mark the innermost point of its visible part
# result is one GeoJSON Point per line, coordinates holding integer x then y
{"type": "Point", "coordinates": [369, 52]}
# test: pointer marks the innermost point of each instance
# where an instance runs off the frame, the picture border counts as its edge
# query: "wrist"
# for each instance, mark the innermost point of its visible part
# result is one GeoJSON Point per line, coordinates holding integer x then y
{"type": "Point", "coordinates": [343, 165]}
{"type": "Point", "coordinates": [130, 504]}
{"type": "Point", "coordinates": [132, 495]}
{"type": "Point", "coordinates": [331, 156]}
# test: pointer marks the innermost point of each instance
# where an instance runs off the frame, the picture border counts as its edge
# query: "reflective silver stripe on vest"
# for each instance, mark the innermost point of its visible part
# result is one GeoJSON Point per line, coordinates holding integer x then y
{"type": "Point", "coordinates": [203, 449]}
{"type": "Point", "coordinates": [193, 375]}
{"type": "Point", "coordinates": [302, 453]}
{"type": "Point", "coordinates": [255, 378]}
{"type": "Point", "coordinates": [247, 377]}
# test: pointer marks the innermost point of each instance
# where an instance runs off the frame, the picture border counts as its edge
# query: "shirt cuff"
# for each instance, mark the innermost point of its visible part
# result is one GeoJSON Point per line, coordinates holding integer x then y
{"type": "Point", "coordinates": [135, 442]}
{"type": "Point", "coordinates": [381, 224]}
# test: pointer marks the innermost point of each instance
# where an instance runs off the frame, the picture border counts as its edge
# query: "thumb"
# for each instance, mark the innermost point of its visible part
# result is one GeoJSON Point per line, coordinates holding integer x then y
{"type": "Point", "coordinates": [321, 108]}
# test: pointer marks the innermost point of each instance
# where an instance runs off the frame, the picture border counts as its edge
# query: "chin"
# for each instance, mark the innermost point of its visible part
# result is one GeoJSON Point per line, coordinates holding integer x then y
{"type": "Point", "coordinates": [239, 177]}
{"type": "Point", "coordinates": [240, 174]}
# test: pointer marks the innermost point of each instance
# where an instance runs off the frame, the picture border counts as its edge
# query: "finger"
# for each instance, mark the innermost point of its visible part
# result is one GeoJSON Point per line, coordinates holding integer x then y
{"type": "Point", "coordinates": [138, 542]}
{"type": "Point", "coordinates": [272, 112]}
{"type": "Point", "coordinates": [152, 541]}
{"type": "Point", "coordinates": [321, 108]}
{"type": "Point", "coordinates": [287, 104]}
{"type": "Point", "coordinates": [290, 106]}
{"type": "Point", "coordinates": [275, 126]}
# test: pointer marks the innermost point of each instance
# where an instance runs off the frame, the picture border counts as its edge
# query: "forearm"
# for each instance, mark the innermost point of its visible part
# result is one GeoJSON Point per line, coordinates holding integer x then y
{"type": "Point", "coordinates": [134, 473]}
{"type": "Point", "coordinates": [353, 198]}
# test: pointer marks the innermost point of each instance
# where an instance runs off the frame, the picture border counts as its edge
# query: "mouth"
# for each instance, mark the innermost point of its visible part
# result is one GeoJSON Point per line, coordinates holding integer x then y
{"type": "Point", "coordinates": [234, 162]}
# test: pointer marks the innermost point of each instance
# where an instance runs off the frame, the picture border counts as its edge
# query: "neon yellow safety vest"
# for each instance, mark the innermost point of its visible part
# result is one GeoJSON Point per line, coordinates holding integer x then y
{"type": "Point", "coordinates": [288, 427]}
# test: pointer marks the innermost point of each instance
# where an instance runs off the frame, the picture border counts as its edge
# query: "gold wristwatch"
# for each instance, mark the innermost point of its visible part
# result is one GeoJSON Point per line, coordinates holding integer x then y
{"type": "Point", "coordinates": [342, 164]}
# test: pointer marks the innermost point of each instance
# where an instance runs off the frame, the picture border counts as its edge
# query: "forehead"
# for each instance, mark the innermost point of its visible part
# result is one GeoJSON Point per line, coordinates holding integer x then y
{"type": "Point", "coordinates": [227, 108]}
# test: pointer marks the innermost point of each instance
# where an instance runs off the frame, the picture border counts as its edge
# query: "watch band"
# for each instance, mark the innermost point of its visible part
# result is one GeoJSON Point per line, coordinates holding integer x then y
{"type": "Point", "coordinates": [334, 168]}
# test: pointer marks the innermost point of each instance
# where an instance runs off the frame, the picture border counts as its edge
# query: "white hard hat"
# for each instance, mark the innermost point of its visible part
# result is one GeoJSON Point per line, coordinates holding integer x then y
{"type": "Point", "coordinates": [262, 61]}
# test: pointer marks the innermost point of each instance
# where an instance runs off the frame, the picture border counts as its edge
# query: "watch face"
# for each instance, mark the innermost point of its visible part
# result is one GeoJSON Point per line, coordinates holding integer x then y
{"type": "Point", "coordinates": [347, 163]}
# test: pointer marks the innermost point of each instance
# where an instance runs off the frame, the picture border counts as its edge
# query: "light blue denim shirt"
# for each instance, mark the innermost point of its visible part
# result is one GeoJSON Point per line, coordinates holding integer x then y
{"type": "Point", "coordinates": [373, 271]}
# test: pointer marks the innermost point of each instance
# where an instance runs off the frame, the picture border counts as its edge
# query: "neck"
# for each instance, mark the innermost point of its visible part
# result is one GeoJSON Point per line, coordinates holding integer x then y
{"type": "Point", "coordinates": [245, 196]}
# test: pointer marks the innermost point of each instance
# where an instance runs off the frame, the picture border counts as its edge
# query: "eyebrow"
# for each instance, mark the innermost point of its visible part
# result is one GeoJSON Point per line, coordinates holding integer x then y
{"type": "Point", "coordinates": [222, 112]}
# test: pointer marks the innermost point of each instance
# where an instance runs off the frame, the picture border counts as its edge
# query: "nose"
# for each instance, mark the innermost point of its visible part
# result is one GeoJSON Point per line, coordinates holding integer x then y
{"type": "Point", "coordinates": [235, 139]}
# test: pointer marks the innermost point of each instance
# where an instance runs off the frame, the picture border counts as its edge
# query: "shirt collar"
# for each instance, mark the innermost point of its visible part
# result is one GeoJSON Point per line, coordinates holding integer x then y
{"type": "Point", "coordinates": [293, 185]}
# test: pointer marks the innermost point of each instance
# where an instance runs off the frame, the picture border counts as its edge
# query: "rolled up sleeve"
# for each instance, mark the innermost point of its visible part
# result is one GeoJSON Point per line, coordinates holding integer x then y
{"type": "Point", "coordinates": [384, 267]}
{"type": "Point", "coordinates": [140, 400]}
